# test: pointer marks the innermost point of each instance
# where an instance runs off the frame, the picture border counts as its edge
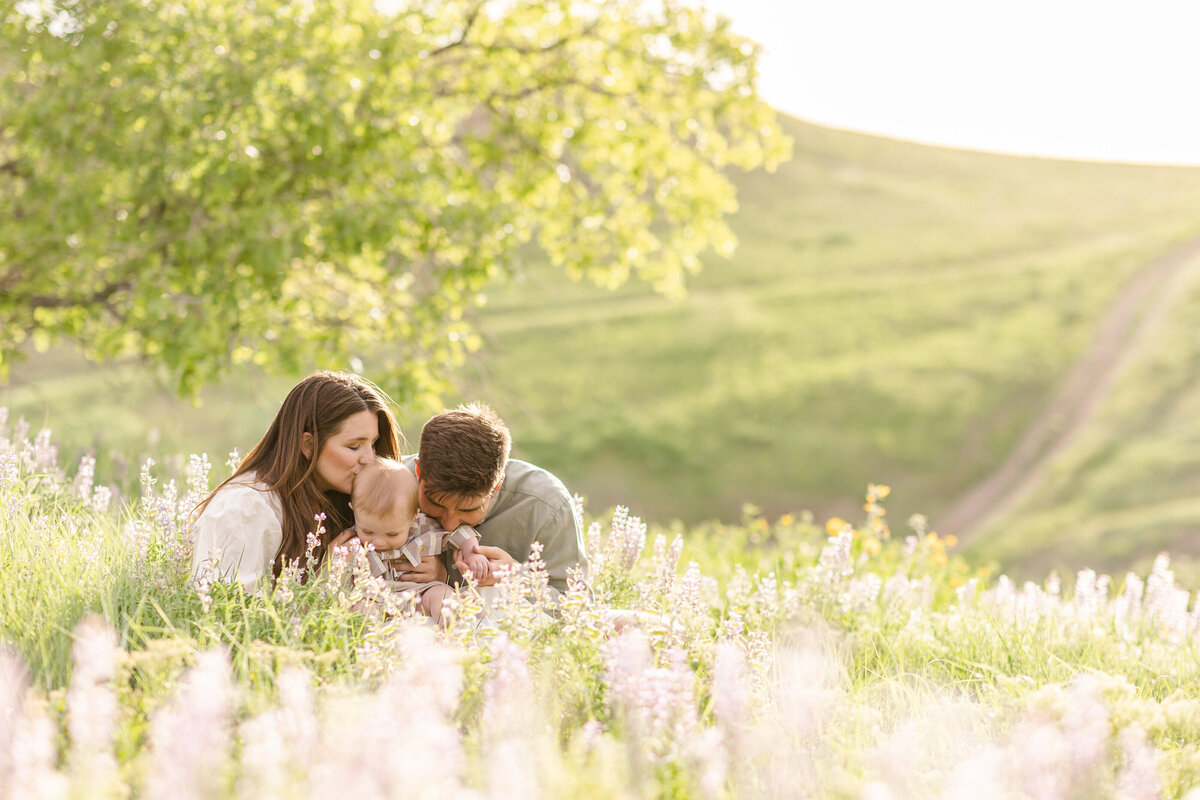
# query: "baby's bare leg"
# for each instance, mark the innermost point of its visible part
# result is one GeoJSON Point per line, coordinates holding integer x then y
{"type": "Point", "coordinates": [431, 600]}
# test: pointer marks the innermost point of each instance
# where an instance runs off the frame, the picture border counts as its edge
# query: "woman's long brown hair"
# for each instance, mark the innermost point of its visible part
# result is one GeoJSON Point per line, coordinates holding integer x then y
{"type": "Point", "coordinates": [318, 405]}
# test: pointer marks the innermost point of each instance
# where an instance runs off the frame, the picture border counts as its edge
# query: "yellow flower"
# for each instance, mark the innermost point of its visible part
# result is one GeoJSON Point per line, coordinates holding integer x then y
{"type": "Point", "coordinates": [951, 540]}
{"type": "Point", "coordinates": [786, 519]}
{"type": "Point", "coordinates": [939, 558]}
{"type": "Point", "coordinates": [931, 539]}
{"type": "Point", "coordinates": [871, 545]}
{"type": "Point", "coordinates": [834, 526]}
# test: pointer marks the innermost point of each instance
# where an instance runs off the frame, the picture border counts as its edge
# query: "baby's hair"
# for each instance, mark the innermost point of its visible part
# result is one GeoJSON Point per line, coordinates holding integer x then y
{"type": "Point", "coordinates": [385, 487]}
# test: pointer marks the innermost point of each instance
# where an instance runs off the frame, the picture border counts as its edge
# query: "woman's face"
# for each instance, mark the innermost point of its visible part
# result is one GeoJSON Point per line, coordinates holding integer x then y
{"type": "Point", "coordinates": [347, 451]}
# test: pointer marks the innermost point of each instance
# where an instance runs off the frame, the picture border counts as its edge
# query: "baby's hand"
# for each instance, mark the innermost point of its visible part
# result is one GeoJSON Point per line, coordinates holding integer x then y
{"type": "Point", "coordinates": [475, 563]}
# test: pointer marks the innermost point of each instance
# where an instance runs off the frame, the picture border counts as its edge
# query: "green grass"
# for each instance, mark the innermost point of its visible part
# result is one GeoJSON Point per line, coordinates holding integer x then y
{"type": "Point", "coordinates": [770, 652]}
{"type": "Point", "coordinates": [894, 313]}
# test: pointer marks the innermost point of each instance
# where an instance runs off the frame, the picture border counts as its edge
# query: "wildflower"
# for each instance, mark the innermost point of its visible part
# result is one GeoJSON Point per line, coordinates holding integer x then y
{"type": "Point", "coordinates": [412, 707]}
{"type": "Point", "coordinates": [33, 755]}
{"type": "Point", "coordinates": [834, 526]}
{"type": "Point", "coordinates": [729, 681]}
{"type": "Point", "coordinates": [197, 474]}
{"type": "Point", "coordinates": [279, 745]}
{"type": "Point", "coordinates": [84, 477]}
{"type": "Point", "coordinates": [871, 546]}
{"type": "Point", "coordinates": [92, 705]}
{"type": "Point", "coordinates": [512, 731]}
{"type": "Point", "coordinates": [657, 704]}
{"type": "Point", "coordinates": [45, 454]}
{"type": "Point", "coordinates": [861, 593]}
{"type": "Point", "coordinates": [101, 499]}
{"type": "Point", "coordinates": [189, 737]}
{"type": "Point", "coordinates": [1138, 778]}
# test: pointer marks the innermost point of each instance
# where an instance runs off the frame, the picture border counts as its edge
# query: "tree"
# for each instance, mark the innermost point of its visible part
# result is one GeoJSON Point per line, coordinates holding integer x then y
{"type": "Point", "coordinates": [207, 182]}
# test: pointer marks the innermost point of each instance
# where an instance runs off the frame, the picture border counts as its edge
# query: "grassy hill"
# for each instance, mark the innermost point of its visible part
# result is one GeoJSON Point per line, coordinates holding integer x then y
{"type": "Point", "coordinates": [894, 313]}
{"type": "Point", "coordinates": [1127, 486]}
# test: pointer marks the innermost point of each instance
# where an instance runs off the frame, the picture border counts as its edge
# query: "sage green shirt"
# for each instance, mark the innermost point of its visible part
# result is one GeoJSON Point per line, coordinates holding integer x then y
{"type": "Point", "coordinates": [533, 506]}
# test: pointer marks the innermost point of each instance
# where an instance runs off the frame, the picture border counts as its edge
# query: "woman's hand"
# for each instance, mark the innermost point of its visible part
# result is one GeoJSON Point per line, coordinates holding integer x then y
{"type": "Point", "coordinates": [342, 539]}
{"type": "Point", "coordinates": [430, 569]}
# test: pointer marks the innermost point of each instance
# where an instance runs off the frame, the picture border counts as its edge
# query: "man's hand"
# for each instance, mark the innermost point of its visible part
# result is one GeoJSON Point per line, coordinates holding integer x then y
{"type": "Point", "coordinates": [430, 569]}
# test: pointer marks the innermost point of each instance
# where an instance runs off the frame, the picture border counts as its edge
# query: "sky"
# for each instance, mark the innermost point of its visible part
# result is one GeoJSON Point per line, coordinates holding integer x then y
{"type": "Point", "coordinates": [1087, 79]}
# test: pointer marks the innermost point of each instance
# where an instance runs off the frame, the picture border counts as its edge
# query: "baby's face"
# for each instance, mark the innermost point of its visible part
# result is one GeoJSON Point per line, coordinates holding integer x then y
{"type": "Point", "coordinates": [385, 532]}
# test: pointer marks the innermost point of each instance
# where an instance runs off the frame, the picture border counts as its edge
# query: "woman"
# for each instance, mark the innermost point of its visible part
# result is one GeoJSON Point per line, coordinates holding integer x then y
{"type": "Point", "coordinates": [329, 427]}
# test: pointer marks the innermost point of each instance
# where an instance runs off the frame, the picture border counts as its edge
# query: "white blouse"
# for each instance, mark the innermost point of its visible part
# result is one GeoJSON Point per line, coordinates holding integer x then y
{"type": "Point", "coordinates": [239, 533]}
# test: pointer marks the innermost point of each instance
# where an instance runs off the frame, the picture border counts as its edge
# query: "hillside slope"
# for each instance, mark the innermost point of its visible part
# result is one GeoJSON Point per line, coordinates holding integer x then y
{"type": "Point", "coordinates": [894, 313]}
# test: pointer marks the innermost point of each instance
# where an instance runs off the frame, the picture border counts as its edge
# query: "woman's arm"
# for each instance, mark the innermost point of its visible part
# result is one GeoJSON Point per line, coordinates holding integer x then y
{"type": "Point", "coordinates": [238, 536]}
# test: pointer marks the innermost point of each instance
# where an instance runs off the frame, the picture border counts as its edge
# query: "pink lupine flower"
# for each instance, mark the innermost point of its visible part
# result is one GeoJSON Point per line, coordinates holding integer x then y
{"type": "Point", "coordinates": [1127, 610]}
{"type": "Point", "coordinates": [578, 612]}
{"type": "Point", "coordinates": [861, 593]}
{"type": "Point", "coordinates": [708, 758]}
{"type": "Point", "coordinates": [82, 487]}
{"type": "Point", "coordinates": [92, 705]}
{"type": "Point", "coordinates": [981, 776]}
{"type": "Point", "coordinates": [190, 736]}
{"type": "Point", "coordinates": [101, 499]}
{"type": "Point", "coordinates": [279, 745]}
{"type": "Point", "coordinates": [1138, 778]}
{"type": "Point", "coordinates": [877, 790]}
{"type": "Point", "coordinates": [1087, 725]}
{"type": "Point", "coordinates": [834, 563]}
{"type": "Point", "coordinates": [197, 480]}
{"type": "Point", "coordinates": [34, 775]}
{"type": "Point", "coordinates": [13, 687]}
{"type": "Point", "coordinates": [512, 732]}
{"type": "Point", "coordinates": [656, 704]}
{"type": "Point", "coordinates": [10, 476]}
{"type": "Point", "coordinates": [730, 682]}
{"type": "Point", "coordinates": [626, 540]}
{"type": "Point", "coordinates": [45, 454]}
{"type": "Point", "coordinates": [412, 748]}
{"type": "Point", "coordinates": [596, 551]}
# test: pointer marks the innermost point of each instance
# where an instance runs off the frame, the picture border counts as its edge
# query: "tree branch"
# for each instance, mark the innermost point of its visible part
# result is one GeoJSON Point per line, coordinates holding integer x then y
{"type": "Point", "coordinates": [96, 298]}
{"type": "Point", "coordinates": [471, 17]}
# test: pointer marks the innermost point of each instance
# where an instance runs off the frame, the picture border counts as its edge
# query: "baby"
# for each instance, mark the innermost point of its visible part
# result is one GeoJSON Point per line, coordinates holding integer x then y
{"type": "Point", "coordinates": [384, 501]}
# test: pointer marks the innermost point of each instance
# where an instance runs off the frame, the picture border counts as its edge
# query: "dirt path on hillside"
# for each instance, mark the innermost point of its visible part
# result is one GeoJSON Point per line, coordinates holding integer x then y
{"type": "Point", "coordinates": [1119, 337]}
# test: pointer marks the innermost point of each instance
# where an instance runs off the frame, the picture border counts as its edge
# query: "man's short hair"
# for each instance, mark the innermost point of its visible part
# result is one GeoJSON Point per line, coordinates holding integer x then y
{"type": "Point", "coordinates": [385, 487]}
{"type": "Point", "coordinates": [464, 452]}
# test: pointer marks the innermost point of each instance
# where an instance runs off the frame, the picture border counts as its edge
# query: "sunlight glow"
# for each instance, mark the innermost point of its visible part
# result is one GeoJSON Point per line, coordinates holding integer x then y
{"type": "Point", "coordinates": [1099, 80]}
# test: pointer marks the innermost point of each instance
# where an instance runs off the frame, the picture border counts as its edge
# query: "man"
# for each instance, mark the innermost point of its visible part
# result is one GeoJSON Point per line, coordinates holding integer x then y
{"type": "Point", "coordinates": [465, 477]}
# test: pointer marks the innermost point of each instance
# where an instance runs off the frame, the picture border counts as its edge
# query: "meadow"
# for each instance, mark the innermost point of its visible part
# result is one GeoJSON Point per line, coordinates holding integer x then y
{"type": "Point", "coordinates": [892, 312]}
{"type": "Point", "coordinates": [1125, 489]}
{"type": "Point", "coordinates": [770, 657]}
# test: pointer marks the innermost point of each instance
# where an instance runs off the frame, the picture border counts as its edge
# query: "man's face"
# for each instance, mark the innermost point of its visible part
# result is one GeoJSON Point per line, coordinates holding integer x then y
{"type": "Point", "coordinates": [450, 511]}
